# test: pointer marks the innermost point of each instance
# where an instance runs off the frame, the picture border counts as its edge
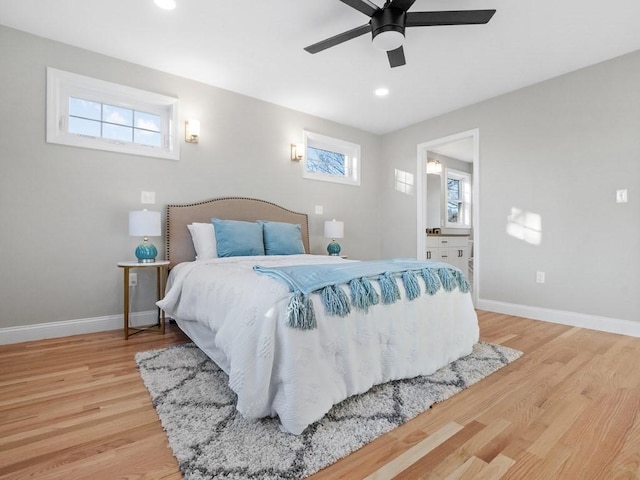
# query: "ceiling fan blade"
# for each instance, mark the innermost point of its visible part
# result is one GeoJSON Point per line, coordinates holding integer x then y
{"type": "Point", "coordinates": [364, 6]}
{"type": "Point", "coordinates": [453, 17]}
{"type": "Point", "coordinates": [338, 39]}
{"type": "Point", "coordinates": [396, 57]}
{"type": "Point", "coordinates": [402, 4]}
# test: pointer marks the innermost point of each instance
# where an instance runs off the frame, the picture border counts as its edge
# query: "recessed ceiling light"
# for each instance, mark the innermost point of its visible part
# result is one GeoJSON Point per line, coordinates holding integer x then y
{"type": "Point", "coordinates": [382, 92]}
{"type": "Point", "coordinates": [165, 4]}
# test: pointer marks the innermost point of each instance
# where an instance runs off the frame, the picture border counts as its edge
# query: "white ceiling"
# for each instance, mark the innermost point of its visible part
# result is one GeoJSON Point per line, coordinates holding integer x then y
{"type": "Point", "coordinates": [255, 47]}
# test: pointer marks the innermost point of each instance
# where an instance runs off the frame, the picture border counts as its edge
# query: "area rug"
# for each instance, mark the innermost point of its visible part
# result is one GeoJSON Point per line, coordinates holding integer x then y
{"type": "Point", "coordinates": [212, 440]}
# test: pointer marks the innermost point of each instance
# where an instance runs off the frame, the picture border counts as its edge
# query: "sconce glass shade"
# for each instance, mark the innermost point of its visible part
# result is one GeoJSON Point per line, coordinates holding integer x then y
{"type": "Point", "coordinates": [192, 131]}
{"type": "Point", "coordinates": [297, 152]}
{"type": "Point", "coordinates": [145, 223]}
{"type": "Point", "coordinates": [333, 229]}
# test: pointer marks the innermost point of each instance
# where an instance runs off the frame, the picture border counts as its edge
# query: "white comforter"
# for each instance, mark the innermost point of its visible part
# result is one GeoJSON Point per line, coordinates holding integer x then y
{"type": "Point", "coordinates": [299, 375]}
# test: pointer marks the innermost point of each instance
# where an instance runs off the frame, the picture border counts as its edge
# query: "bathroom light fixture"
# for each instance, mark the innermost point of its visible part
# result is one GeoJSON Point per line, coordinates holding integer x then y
{"type": "Point", "coordinates": [434, 166]}
{"type": "Point", "coordinates": [382, 92]}
{"type": "Point", "coordinates": [165, 4]}
{"type": "Point", "coordinates": [333, 229]}
{"type": "Point", "coordinates": [145, 223]}
{"type": "Point", "coordinates": [192, 131]}
{"type": "Point", "coordinates": [297, 152]}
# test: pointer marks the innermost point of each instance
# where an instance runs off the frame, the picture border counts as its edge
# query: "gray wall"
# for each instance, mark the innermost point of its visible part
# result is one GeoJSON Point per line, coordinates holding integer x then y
{"type": "Point", "coordinates": [64, 210]}
{"type": "Point", "coordinates": [559, 150]}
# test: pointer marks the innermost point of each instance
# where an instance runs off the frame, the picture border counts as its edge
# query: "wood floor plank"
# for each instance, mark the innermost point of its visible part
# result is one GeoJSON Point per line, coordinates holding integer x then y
{"type": "Point", "coordinates": [76, 408]}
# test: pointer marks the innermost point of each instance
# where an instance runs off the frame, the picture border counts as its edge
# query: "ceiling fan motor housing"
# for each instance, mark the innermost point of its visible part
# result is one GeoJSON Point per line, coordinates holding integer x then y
{"type": "Point", "coordinates": [391, 20]}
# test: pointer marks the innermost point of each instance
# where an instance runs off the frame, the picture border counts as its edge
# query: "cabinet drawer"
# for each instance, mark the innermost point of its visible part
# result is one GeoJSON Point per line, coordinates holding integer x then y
{"type": "Point", "coordinates": [454, 241]}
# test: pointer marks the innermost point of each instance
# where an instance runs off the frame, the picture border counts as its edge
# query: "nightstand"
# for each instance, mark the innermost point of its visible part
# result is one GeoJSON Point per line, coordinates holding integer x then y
{"type": "Point", "coordinates": [161, 277]}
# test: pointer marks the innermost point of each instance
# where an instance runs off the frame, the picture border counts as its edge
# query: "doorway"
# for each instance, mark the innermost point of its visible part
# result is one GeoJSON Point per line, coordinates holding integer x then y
{"type": "Point", "coordinates": [463, 146]}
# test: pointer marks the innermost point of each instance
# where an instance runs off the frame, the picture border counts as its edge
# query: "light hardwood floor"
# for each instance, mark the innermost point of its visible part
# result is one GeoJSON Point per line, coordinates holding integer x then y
{"type": "Point", "coordinates": [76, 408]}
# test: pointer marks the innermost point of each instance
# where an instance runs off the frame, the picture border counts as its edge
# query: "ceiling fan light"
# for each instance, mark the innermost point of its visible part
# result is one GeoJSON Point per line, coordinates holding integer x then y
{"type": "Point", "coordinates": [388, 40]}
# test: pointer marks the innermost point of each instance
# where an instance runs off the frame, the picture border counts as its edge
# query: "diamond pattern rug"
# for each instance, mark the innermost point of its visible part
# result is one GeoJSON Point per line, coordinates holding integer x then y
{"type": "Point", "coordinates": [212, 440]}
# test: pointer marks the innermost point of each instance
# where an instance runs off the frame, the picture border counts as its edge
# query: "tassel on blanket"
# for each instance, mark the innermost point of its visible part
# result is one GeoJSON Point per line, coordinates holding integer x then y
{"type": "Point", "coordinates": [389, 290]}
{"type": "Point", "coordinates": [300, 312]}
{"type": "Point", "coordinates": [461, 280]}
{"type": "Point", "coordinates": [447, 279]}
{"type": "Point", "coordinates": [411, 285]}
{"type": "Point", "coordinates": [431, 280]}
{"type": "Point", "coordinates": [335, 301]}
{"type": "Point", "coordinates": [360, 298]}
{"type": "Point", "coordinates": [372, 296]}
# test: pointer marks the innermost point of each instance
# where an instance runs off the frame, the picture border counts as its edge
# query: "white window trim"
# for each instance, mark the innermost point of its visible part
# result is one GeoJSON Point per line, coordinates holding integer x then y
{"type": "Point", "coordinates": [350, 150]}
{"type": "Point", "coordinates": [62, 85]}
{"type": "Point", "coordinates": [465, 192]}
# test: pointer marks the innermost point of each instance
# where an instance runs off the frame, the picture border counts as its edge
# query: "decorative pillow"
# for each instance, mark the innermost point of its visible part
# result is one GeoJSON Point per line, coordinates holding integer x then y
{"type": "Point", "coordinates": [282, 238]}
{"type": "Point", "coordinates": [235, 238]}
{"type": "Point", "coordinates": [204, 240]}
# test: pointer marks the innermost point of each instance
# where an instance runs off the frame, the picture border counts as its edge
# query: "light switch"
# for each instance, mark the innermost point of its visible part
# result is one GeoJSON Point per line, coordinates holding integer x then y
{"type": "Point", "coordinates": [319, 209]}
{"type": "Point", "coordinates": [621, 196]}
{"type": "Point", "coordinates": [148, 197]}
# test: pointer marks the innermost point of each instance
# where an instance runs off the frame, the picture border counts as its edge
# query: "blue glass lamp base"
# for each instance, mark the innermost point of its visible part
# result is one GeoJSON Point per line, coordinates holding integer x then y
{"type": "Point", "coordinates": [334, 249]}
{"type": "Point", "coordinates": [146, 252]}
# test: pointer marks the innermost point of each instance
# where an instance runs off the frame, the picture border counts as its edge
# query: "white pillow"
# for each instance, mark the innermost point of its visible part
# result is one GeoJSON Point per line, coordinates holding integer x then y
{"type": "Point", "coordinates": [203, 236]}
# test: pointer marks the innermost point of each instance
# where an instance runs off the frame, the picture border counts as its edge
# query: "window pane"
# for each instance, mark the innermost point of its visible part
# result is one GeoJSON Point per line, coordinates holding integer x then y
{"type": "Point", "coordinates": [453, 212]}
{"type": "Point", "coordinates": [147, 121]}
{"type": "Point", "coordinates": [84, 127]}
{"type": "Point", "coordinates": [323, 161]}
{"type": "Point", "coordinates": [121, 116]}
{"type": "Point", "coordinates": [84, 108]}
{"type": "Point", "coordinates": [453, 189]}
{"type": "Point", "coordinates": [143, 137]}
{"type": "Point", "coordinates": [116, 132]}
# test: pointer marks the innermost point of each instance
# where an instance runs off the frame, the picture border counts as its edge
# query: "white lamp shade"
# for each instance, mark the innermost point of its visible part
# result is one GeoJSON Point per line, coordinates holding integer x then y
{"type": "Point", "coordinates": [144, 223]}
{"type": "Point", "coordinates": [333, 229]}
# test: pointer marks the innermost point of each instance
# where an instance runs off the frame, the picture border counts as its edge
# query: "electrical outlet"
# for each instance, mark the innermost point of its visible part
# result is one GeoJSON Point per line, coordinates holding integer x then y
{"type": "Point", "coordinates": [133, 279]}
{"type": "Point", "coordinates": [319, 209]}
{"type": "Point", "coordinates": [540, 277]}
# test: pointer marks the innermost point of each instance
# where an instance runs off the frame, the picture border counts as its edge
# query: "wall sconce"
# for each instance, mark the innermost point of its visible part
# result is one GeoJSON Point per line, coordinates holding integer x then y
{"type": "Point", "coordinates": [191, 131]}
{"type": "Point", "coordinates": [297, 152]}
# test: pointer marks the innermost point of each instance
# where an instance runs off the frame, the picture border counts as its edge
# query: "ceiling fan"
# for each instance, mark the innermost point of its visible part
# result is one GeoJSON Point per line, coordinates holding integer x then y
{"type": "Point", "coordinates": [388, 23]}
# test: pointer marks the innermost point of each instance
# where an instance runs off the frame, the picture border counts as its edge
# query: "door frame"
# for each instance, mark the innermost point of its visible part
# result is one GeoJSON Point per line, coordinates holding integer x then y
{"type": "Point", "coordinates": [421, 198]}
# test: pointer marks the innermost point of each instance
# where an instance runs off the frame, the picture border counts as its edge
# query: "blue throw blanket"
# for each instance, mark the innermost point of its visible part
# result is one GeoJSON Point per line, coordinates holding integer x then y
{"type": "Point", "coordinates": [326, 279]}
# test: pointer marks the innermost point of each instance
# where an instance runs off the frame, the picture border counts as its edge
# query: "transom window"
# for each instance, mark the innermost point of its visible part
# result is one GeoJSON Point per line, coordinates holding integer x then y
{"type": "Point", "coordinates": [331, 159]}
{"type": "Point", "coordinates": [115, 123]}
{"type": "Point", "coordinates": [91, 113]}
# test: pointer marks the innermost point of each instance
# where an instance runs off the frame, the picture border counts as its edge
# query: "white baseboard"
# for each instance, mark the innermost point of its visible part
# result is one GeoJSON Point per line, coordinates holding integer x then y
{"type": "Point", "coordinates": [66, 328]}
{"type": "Point", "coordinates": [593, 322]}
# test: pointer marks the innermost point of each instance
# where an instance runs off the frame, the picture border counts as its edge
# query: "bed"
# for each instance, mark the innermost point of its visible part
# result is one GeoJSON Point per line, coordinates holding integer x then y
{"type": "Point", "coordinates": [241, 320]}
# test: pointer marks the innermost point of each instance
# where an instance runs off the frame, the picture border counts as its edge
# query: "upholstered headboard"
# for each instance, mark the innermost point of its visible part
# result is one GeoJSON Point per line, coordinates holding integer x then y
{"type": "Point", "coordinates": [179, 244]}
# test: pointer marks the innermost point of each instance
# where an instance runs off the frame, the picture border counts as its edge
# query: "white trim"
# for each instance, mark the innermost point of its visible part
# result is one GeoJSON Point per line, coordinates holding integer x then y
{"type": "Point", "coordinates": [66, 328]}
{"type": "Point", "coordinates": [574, 319]}
{"type": "Point", "coordinates": [421, 194]}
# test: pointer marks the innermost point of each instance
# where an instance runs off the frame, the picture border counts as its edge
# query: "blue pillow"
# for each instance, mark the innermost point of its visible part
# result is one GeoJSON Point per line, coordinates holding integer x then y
{"type": "Point", "coordinates": [282, 238]}
{"type": "Point", "coordinates": [235, 238]}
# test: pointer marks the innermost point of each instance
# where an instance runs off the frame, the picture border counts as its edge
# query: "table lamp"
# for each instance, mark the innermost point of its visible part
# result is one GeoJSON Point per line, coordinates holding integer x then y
{"type": "Point", "coordinates": [333, 229]}
{"type": "Point", "coordinates": [145, 223]}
